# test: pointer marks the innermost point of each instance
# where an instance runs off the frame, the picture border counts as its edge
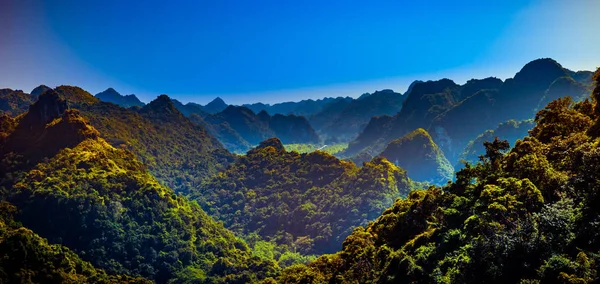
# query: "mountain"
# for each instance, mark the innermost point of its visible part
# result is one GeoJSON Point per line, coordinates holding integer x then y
{"type": "Point", "coordinates": [37, 91]}
{"type": "Point", "coordinates": [73, 188]}
{"type": "Point", "coordinates": [306, 202]}
{"type": "Point", "coordinates": [444, 108]}
{"type": "Point", "coordinates": [238, 127]}
{"type": "Point", "coordinates": [420, 157]}
{"type": "Point", "coordinates": [305, 108]}
{"type": "Point", "coordinates": [215, 106]}
{"type": "Point", "coordinates": [177, 151]}
{"type": "Point", "coordinates": [523, 215]}
{"type": "Point", "coordinates": [345, 123]}
{"type": "Point", "coordinates": [112, 96]}
{"type": "Point", "coordinates": [14, 102]}
{"type": "Point", "coordinates": [190, 109]}
{"type": "Point", "coordinates": [76, 95]}
{"type": "Point", "coordinates": [425, 101]}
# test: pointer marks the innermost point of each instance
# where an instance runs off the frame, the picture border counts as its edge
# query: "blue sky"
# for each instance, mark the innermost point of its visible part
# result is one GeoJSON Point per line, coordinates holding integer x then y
{"type": "Point", "coordinates": [273, 51]}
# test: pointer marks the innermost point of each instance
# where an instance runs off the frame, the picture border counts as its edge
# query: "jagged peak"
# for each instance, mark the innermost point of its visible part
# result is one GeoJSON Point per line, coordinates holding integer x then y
{"type": "Point", "coordinates": [161, 105]}
{"type": "Point", "coordinates": [49, 106]}
{"type": "Point", "coordinates": [37, 91]}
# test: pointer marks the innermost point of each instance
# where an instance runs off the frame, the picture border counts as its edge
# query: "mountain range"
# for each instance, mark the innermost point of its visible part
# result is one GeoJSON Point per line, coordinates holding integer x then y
{"type": "Point", "coordinates": [428, 190]}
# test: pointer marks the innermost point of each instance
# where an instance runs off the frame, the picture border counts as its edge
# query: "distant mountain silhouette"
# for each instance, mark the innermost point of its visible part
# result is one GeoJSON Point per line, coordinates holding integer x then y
{"type": "Point", "coordinates": [237, 122]}
{"type": "Point", "coordinates": [112, 96]}
{"type": "Point", "coordinates": [215, 106]}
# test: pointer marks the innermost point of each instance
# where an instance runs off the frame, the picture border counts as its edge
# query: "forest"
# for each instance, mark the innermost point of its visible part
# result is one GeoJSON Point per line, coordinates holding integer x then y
{"type": "Point", "coordinates": [383, 188]}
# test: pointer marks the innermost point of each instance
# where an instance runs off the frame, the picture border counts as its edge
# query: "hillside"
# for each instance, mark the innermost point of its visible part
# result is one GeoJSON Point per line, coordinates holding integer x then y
{"type": "Point", "coordinates": [177, 151]}
{"type": "Point", "coordinates": [307, 202]}
{"type": "Point", "coordinates": [73, 188]}
{"type": "Point", "coordinates": [14, 102]}
{"type": "Point", "coordinates": [420, 157]}
{"type": "Point", "coordinates": [524, 215]}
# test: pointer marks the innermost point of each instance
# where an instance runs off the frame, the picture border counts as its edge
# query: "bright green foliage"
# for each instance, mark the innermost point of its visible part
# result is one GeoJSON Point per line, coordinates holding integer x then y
{"type": "Point", "coordinates": [307, 148]}
{"type": "Point", "coordinates": [528, 215]}
{"type": "Point", "coordinates": [309, 202]}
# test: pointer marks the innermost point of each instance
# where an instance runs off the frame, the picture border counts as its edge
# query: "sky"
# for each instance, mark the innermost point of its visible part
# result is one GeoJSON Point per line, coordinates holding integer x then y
{"type": "Point", "coordinates": [274, 51]}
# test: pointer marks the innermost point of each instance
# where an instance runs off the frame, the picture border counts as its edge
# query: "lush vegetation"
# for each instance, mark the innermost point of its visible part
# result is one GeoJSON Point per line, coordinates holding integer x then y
{"type": "Point", "coordinates": [75, 189]}
{"type": "Point", "coordinates": [307, 148]}
{"type": "Point", "coordinates": [307, 202]}
{"type": "Point", "coordinates": [524, 215]}
{"type": "Point", "coordinates": [25, 257]}
{"type": "Point", "coordinates": [177, 151]}
{"type": "Point", "coordinates": [420, 157]}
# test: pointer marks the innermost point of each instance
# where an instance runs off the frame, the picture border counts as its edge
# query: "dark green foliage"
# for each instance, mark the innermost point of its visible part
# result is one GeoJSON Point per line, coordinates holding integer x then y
{"type": "Point", "coordinates": [525, 215]}
{"type": "Point", "coordinates": [26, 257]}
{"type": "Point", "coordinates": [420, 157]}
{"type": "Point", "coordinates": [309, 202]}
{"type": "Point", "coordinates": [112, 96]}
{"type": "Point", "coordinates": [75, 189]}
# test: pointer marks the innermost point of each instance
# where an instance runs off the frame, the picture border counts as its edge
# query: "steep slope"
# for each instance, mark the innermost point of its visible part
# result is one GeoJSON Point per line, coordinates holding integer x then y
{"type": "Point", "coordinates": [177, 151]}
{"type": "Point", "coordinates": [528, 215]}
{"type": "Point", "coordinates": [112, 96]}
{"type": "Point", "coordinates": [73, 188]}
{"type": "Point", "coordinates": [14, 102]}
{"type": "Point", "coordinates": [308, 202]}
{"type": "Point", "coordinates": [420, 157]}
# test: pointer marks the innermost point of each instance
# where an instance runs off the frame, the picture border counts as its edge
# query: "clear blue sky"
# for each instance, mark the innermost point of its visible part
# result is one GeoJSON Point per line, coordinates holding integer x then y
{"type": "Point", "coordinates": [271, 51]}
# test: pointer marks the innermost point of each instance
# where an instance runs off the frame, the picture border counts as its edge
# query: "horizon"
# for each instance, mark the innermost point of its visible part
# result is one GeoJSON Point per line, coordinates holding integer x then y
{"type": "Point", "coordinates": [284, 52]}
